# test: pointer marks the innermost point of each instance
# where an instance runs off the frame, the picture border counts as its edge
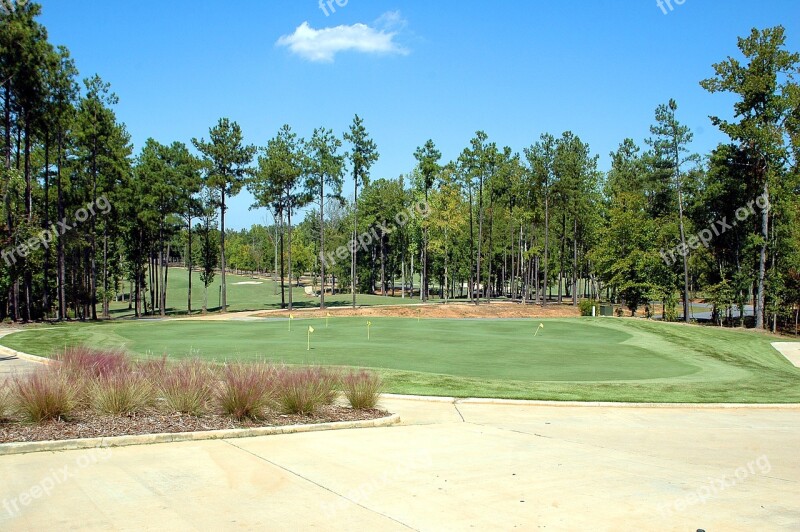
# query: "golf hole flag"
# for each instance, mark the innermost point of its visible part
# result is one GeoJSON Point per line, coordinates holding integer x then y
{"type": "Point", "coordinates": [369, 324]}
{"type": "Point", "coordinates": [291, 317]}
{"type": "Point", "coordinates": [310, 330]}
{"type": "Point", "coordinates": [540, 327]}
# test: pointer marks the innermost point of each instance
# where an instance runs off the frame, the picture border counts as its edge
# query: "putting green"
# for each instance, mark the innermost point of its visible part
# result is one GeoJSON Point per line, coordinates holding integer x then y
{"type": "Point", "coordinates": [586, 358]}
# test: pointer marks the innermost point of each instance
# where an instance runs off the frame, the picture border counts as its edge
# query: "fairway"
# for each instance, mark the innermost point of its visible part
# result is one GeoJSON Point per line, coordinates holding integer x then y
{"type": "Point", "coordinates": [597, 359]}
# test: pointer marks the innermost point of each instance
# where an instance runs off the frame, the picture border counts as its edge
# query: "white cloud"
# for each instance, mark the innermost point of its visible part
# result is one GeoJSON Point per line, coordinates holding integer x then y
{"type": "Point", "coordinates": [323, 44]}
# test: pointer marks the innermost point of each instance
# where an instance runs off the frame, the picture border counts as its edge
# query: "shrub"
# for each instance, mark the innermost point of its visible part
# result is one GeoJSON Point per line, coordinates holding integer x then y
{"type": "Point", "coordinates": [585, 306]}
{"type": "Point", "coordinates": [121, 392]}
{"type": "Point", "coordinates": [187, 387]}
{"type": "Point", "coordinates": [47, 393]}
{"type": "Point", "coordinates": [246, 390]}
{"type": "Point", "coordinates": [305, 390]}
{"type": "Point", "coordinates": [362, 389]}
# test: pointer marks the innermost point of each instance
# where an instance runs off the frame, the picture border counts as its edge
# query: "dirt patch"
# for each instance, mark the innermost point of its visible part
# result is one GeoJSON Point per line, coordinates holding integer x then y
{"type": "Point", "coordinates": [456, 310]}
{"type": "Point", "coordinates": [87, 424]}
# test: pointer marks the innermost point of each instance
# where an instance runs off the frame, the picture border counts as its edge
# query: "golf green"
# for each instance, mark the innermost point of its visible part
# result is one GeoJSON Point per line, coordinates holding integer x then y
{"type": "Point", "coordinates": [589, 358]}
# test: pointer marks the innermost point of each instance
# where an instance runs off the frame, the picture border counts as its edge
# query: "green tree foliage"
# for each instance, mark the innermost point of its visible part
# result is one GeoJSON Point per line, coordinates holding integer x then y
{"type": "Point", "coordinates": [227, 166]}
{"type": "Point", "coordinates": [362, 155]}
{"type": "Point", "coordinates": [765, 125]}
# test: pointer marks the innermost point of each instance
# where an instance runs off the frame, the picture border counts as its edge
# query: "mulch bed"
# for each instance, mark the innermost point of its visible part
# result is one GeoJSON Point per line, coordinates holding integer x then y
{"type": "Point", "coordinates": [87, 424]}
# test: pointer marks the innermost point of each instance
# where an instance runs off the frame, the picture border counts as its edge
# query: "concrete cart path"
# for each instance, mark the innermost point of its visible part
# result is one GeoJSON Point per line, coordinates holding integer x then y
{"type": "Point", "coordinates": [447, 467]}
{"type": "Point", "coordinates": [10, 362]}
{"type": "Point", "coordinates": [791, 350]}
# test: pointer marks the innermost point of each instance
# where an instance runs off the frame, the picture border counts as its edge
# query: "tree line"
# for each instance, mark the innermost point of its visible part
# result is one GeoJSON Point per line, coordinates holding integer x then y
{"type": "Point", "coordinates": [87, 220]}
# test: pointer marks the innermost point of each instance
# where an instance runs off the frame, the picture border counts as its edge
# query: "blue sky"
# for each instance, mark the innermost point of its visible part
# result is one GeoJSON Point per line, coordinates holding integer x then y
{"type": "Point", "coordinates": [412, 69]}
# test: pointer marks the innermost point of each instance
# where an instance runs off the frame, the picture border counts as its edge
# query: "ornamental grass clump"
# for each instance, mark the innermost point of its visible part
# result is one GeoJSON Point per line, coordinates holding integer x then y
{"type": "Point", "coordinates": [92, 363]}
{"type": "Point", "coordinates": [5, 401]}
{"type": "Point", "coordinates": [246, 391]}
{"type": "Point", "coordinates": [125, 391]}
{"type": "Point", "coordinates": [47, 393]}
{"type": "Point", "coordinates": [187, 387]}
{"type": "Point", "coordinates": [362, 389]}
{"type": "Point", "coordinates": [305, 390]}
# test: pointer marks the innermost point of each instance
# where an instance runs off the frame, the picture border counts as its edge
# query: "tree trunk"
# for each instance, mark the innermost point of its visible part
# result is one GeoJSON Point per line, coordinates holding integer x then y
{"type": "Point", "coordinates": [61, 291]}
{"type": "Point", "coordinates": [283, 267]}
{"type": "Point", "coordinates": [322, 241]}
{"type": "Point", "coordinates": [561, 258]}
{"type": "Point", "coordinates": [289, 253]}
{"type": "Point", "coordinates": [546, 244]}
{"type": "Point", "coordinates": [383, 265]}
{"type": "Point", "coordinates": [762, 261]}
{"type": "Point", "coordinates": [223, 287]}
{"type": "Point", "coordinates": [403, 273]}
{"type": "Point", "coordinates": [164, 283]}
{"type": "Point", "coordinates": [480, 239]}
{"type": "Point", "coordinates": [575, 263]}
{"type": "Point", "coordinates": [106, 288]}
{"type": "Point", "coordinates": [189, 267]}
{"type": "Point", "coordinates": [353, 248]}
{"type": "Point", "coordinates": [45, 225]}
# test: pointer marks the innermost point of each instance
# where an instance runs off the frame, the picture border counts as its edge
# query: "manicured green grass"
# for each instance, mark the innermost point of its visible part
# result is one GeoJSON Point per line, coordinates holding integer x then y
{"type": "Point", "coordinates": [598, 359]}
{"type": "Point", "coordinates": [242, 295]}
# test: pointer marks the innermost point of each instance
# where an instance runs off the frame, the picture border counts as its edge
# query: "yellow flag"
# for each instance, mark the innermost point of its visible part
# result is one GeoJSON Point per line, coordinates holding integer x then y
{"type": "Point", "coordinates": [369, 323]}
{"type": "Point", "coordinates": [310, 329]}
{"type": "Point", "coordinates": [291, 316]}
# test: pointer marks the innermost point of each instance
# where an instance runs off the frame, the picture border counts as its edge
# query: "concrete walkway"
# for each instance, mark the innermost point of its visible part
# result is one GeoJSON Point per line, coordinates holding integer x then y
{"type": "Point", "coordinates": [447, 467]}
{"type": "Point", "coordinates": [791, 350]}
{"type": "Point", "coordinates": [10, 362]}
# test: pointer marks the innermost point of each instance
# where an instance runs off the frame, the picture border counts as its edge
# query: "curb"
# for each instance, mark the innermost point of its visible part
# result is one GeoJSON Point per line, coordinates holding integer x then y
{"type": "Point", "coordinates": [590, 404]}
{"type": "Point", "coordinates": [600, 404]}
{"type": "Point", "coordinates": [25, 356]}
{"type": "Point", "coordinates": [427, 398]}
{"type": "Point", "coordinates": [150, 439]}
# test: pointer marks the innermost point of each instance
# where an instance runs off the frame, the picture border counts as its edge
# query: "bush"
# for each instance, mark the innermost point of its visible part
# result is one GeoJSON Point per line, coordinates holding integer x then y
{"type": "Point", "coordinates": [48, 393]}
{"type": "Point", "coordinates": [585, 306]}
{"type": "Point", "coordinates": [362, 389]}
{"type": "Point", "coordinates": [187, 387]}
{"type": "Point", "coordinates": [305, 390]}
{"type": "Point", "coordinates": [125, 391]}
{"type": "Point", "coordinates": [247, 390]}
